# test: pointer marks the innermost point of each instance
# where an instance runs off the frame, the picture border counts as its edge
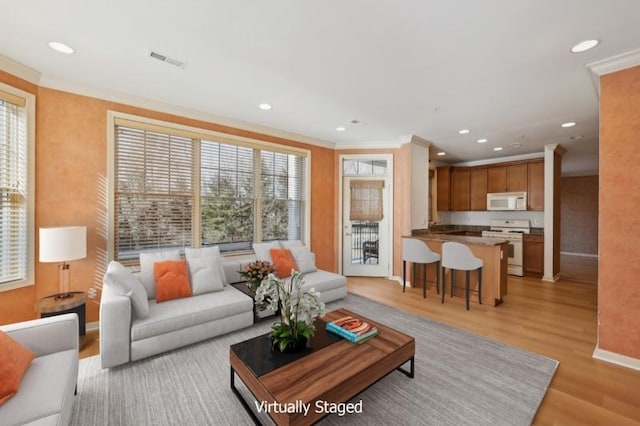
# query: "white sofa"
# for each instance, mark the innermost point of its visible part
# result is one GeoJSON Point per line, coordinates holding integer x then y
{"type": "Point", "coordinates": [47, 389]}
{"type": "Point", "coordinates": [172, 324]}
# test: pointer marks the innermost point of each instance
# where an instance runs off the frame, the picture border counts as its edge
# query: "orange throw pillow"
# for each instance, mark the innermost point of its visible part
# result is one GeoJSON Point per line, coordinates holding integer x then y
{"type": "Point", "coordinates": [172, 280]}
{"type": "Point", "coordinates": [282, 262]}
{"type": "Point", "coordinates": [14, 361]}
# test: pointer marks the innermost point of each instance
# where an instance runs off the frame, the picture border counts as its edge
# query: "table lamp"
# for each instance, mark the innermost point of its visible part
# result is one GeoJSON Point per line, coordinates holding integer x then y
{"type": "Point", "coordinates": [63, 244]}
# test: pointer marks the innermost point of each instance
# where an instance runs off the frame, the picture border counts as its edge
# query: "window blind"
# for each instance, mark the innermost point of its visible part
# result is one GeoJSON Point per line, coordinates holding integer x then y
{"type": "Point", "coordinates": [227, 195]}
{"type": "Point", "coordinates": [14, 189]}
{"type": "Point", "coordinates": [282, 184]}
{"type": "Point", "coordinates": [153, 194]}
{"type": "Point", "coordinates": [366, 200]}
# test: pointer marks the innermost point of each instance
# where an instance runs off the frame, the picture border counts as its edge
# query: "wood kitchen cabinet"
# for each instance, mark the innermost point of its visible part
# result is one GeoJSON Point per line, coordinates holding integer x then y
{"type": "Point", "coordinates": [478, 189]}
{"type": "Point", "coordinates": [535, 188]}
{"type": "Point", "coordinates": [511, 178]}
{"type": "Point", "coordinates": [517, 178]}
{"type": "Point", "coordinates": [497, 179]}
{"type": "Point", "coordinates": [533, 255]}
{"type": "Point", "coordinates": [460, 180]}
{"type": "Point", "coordinates": [443, 188]}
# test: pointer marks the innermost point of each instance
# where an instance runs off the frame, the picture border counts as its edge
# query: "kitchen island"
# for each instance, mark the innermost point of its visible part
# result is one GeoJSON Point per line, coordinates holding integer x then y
{"type": "Point", "coordinates": [492, 251]}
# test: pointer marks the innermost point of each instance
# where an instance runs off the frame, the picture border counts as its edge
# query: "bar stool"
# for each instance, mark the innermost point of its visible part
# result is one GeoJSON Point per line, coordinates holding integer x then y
{"type": "Point", "coordinates": [458, 257]}
{"type": "Point", "coordinates": [417, 251]}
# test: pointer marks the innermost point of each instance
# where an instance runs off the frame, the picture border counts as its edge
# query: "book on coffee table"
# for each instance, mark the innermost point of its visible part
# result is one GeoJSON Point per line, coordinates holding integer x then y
{"type": "Point", "coordinates": [352, 329]}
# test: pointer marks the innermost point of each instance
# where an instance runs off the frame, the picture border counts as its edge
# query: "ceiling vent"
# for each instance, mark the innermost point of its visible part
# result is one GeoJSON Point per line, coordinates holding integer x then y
{"type": "Point", "coordinates": [166, 59]}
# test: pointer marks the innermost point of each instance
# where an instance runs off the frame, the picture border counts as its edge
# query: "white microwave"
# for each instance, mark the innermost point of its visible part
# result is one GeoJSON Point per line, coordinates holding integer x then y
{"type": "Point", "coordinates": [507, 201]}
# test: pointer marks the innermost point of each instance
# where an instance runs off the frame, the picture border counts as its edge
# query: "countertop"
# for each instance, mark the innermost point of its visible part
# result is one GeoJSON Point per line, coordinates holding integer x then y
{"type": "Point", "coordinates": [480, 241]}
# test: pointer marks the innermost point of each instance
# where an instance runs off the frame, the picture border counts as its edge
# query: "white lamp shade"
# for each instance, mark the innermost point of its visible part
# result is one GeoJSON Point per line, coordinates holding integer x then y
{"type": "Point", "coordinates": [63, 244]}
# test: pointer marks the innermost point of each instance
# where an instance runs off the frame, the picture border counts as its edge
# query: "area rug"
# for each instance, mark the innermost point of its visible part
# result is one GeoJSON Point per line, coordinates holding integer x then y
{"type": "Point", "coordinates": [460, 379]}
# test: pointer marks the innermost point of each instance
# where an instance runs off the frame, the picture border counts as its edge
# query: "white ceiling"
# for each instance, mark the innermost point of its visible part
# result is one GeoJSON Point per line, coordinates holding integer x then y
{"type": "Point", "coordinates": [501, 68]}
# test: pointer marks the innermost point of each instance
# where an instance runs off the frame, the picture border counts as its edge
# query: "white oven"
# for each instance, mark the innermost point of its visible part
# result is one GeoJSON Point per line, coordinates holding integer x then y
{"type": "Point", "coordinates": [512, 231]}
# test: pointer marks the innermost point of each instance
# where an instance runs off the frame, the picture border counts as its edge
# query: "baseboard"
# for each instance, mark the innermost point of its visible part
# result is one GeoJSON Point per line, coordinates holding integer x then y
{"type": "Point", "coordinates": [551, 279]}
{"type": "Point", "coordinates": [568, 253]}
{"type": "Point", "coordinates": [398, 280]}
{"type": "Point", "coordinates": [614, 358]}
{"type": "Point", "coordinates": [90, 326]}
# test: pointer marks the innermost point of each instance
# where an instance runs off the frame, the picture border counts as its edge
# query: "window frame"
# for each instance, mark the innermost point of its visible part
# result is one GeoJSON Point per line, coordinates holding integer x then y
{"type": "Point", "coordinates": [119, 118]}
{"type": "Point", "coordinates": [30, 109]}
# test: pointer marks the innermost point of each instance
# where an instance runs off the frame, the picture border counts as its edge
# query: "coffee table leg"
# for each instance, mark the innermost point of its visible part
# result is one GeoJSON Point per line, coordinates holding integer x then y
{"type": "Point", "coordinates": [244, 403]}
{"type": "Point", "coordinates": [410, 374]}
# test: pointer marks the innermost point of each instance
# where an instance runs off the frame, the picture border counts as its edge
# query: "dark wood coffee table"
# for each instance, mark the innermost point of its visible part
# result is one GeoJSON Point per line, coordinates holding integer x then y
{"type": "Point", "coordinates": [330, 370]}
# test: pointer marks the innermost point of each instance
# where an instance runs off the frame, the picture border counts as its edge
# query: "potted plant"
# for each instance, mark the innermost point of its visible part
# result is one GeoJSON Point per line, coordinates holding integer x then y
{"type": "Point", "coordinates": [298, 310]}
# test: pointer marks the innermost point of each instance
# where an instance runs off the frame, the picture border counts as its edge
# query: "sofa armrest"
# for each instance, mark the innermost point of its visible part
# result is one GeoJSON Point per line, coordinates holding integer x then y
{"type": "Point", "coordinates": [46, 335]}
{"type": "Point", "coordinates": [115, 328]}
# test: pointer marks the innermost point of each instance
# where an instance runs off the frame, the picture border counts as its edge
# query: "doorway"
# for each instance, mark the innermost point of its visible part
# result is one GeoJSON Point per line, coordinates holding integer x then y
{"type": "Point", "coordinates": [366, 216]}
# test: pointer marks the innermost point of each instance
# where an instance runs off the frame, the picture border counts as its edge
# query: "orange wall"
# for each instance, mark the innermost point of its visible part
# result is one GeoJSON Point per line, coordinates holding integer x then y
{"type": "Point", "coordinates": [71, 167]}
{"type": "Point", "coordinates": [619, 201]}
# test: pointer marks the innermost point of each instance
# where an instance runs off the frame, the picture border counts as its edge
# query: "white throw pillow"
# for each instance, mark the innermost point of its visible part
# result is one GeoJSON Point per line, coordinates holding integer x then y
{"type": "Point", "coordinates": [305, 260]}
{"type": "Point", "coordinates": [204, 276]}
{"type": "Point", "coordinates": [147, 275]}
{"type": "Point", "coordinates": [289, 244]}
{"type": "Point", "coordinates": [123, 282]}
{"type": "Point", "coordinates": [262, 250]}
{"type": "Point", "coordinates": [210, 252]}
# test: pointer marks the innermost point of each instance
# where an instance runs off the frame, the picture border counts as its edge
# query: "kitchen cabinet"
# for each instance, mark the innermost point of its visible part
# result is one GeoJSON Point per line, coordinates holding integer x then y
{"type": "Point", "coordinates": [533, 255]}
{"type": "Point", "coordinates": [535, 189]}
{"type": "Point", "coordinates": [460, 180]}
{"type": "Point", "coordinates": [511, 178]}
{"type": "Point", "coordinates": [443, 188]}
{"type": "Point", "coordinates": [497, 179]}
{"type": "Point", "coordinates": [478, 189]}
{"type": "Point", "coordinates": [517, 178]}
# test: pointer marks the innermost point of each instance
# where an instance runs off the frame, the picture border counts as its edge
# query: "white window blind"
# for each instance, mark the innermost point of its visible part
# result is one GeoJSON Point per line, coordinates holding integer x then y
{"type": "Point", "coordinates": [185, 189]}
{"type": "Point", "coordinates": [14, 189]}
{"type": "Point", "coordinates": [227, 195]}
{"type": "Point", "coordinates": [282, 180]}
{"type": "Point", "coordinates": [153, 194]}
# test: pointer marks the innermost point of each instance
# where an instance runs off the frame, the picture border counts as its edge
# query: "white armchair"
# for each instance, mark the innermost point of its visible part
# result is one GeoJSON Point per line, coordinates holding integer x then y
{"type": "Point", "coordinates": [46, 393]}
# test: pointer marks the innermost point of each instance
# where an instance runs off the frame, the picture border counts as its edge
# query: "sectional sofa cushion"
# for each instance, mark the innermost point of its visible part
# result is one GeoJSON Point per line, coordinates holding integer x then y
{"type": "Point", "coordinates": [212, 253]}
{"type": "Point", "coordinates": [147, 274]}
{"type": "Point", "coordinates": [180, 314]}
{"type": "Point", "coordinates": [204, 276]}
{"type": "Point", "coordinates": [283, 262]}
{"type": "Point", "coordinates": [172, 280]}
{"type": "Point", "coordinates": [305, 260]}
{"type": "Point", "coordinates": [14, 361]}
{"type": "Point", "coordinates": [262, 250]}
{"type": "Point", "coordinates": [289, 244]}
{"type": "Point", "coordinates": [125, 283]}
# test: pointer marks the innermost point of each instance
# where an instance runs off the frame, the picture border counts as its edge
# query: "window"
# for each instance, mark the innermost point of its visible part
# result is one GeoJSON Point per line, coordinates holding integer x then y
{"type": "Point", "coordinates": [176, 188]}
{"type": "Point", "coordinates": [16, 188]}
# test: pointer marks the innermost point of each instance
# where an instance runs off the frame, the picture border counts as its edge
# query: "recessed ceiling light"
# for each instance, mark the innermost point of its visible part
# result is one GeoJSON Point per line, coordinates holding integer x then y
{"type": "Point", "coordinates": [483, 140]}
{"type": "Point", "coordinates": [516, 145]}
{"type": "Point", "coordinates": [497, 148]}
{"type": "Point", "coordinates": [463, 131]}
{"type": "Point", "coordinates": [264, 107]}
{"type": "Point", "coordinates": [576, 137]}
{"type": "Point", "coordinates": [355, 121]}
{"type": "Point", "coordinates": [341, 128]}
{"type": "Point", "coordinates": [441, 153]}
{"type": "Point", "coordinates": [584, 46]}
{"type": "Point", "coordinates": [568, 124]}
{"type": "Point", "coordinates": [61, 47]}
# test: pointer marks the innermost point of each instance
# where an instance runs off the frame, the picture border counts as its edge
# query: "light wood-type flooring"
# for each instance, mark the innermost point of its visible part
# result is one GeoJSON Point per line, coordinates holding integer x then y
{"type": "Point", "coordinates": [557, 320]}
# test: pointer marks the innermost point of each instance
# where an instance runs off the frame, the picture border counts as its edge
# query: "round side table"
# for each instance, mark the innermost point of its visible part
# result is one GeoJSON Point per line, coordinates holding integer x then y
{"type": "Point", "coordinates": [55, 305]}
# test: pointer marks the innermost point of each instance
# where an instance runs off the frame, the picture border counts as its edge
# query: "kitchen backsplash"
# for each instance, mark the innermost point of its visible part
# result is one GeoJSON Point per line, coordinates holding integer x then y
{"type": "Point", "coordinates": [484, 218]}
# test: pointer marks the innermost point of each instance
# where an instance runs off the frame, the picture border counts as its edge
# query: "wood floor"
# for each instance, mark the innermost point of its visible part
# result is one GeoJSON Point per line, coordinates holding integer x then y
{"type": "Point", "coordinates": [555, 320]}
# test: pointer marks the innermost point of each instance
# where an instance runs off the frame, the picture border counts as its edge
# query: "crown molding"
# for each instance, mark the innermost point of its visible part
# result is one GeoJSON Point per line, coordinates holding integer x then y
{"type": "Point", "coordinates": [370, 145]}
{"type": "Point", "coordinates": [19, 70]}
{"type": "Point", "coordinates": [500, 160]}
{"type": "Point", "coordinates": [178, 110]}
{"type": "Point", "coordinates": [615, 63]}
